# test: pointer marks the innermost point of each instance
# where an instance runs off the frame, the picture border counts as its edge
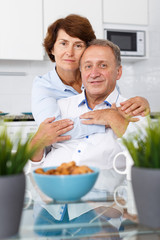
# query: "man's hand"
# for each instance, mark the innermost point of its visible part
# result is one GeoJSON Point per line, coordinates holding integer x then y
{"type": "Point", "coordinates": [50, 132]}
{"type": "Point", "coordinates": [136, 106]}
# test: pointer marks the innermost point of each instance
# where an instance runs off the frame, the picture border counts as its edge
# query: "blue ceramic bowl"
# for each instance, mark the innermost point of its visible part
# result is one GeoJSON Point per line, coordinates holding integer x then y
{"type": "Point", "coordinates": [66, 187]}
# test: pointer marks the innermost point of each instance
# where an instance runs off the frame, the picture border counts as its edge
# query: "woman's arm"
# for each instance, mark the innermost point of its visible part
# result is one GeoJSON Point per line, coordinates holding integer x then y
{"type": "Point", "coordinates": [48, 133]}
{"type": "Point", "coordinates": [44, 100]}
{"type": "Point", "coordinates": [112, 117]}
{"type": "Point", "coordinates": [44, 105]}
{"type": "Point", "coordinates": [136, 106]}
{"type": "Point", "coordinates": [108, 117]}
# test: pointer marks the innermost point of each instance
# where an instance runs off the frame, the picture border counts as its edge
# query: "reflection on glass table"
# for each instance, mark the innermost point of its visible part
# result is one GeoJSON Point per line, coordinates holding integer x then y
{"type": "Point", "coordinates": [95, 216]}
{"type": "Point", "coordinates": [89, 223]}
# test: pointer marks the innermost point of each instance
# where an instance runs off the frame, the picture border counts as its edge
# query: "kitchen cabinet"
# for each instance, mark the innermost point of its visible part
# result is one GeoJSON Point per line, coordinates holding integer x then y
{"type": "Point", "coordinates": [125, 12]}
{"type": "Point", "coordinates": [92, 9]}
{"type": "Point", "coordinates": [21, 29]}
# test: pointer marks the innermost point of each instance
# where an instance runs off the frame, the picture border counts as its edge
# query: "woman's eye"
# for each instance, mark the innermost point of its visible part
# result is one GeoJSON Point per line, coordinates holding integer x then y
{"type": "Point", "coordinates": [63, 43]}
{"type": "Point", "coordinates": [79, 46]}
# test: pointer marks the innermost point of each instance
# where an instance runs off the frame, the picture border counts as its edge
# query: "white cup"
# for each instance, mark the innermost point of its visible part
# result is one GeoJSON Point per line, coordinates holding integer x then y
{"type": "Point", "coordinates": [123, 166]}
{"type": "Point", "coordinates": [28, 199]}
{"type": "Point", "coordinates": [126, 192]}
{"type": "Point", "coordinates": [27, 168]}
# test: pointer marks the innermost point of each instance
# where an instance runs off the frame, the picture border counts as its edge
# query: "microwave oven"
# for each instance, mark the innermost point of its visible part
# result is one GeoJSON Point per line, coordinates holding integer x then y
{"type": "Point", "coordinates": [130, 42]}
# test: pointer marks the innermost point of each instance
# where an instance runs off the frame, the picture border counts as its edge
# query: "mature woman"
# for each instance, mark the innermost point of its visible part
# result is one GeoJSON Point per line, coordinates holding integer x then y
{"type": "Point", "coordinates": [65, 42]}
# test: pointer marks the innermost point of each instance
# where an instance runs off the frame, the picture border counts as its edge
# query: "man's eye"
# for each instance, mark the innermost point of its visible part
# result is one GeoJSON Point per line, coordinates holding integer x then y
{"type": "Point", "coordinates": [103, 65]}
{"type": "Point", "coordinates": [87, 66]}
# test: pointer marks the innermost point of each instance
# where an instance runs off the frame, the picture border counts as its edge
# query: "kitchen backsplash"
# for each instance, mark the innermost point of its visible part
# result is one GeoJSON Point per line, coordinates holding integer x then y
{"type": "Point", "coordinates": [140, 78]}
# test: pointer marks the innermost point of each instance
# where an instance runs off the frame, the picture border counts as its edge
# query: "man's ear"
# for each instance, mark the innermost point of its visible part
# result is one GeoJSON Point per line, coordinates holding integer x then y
{"type": "Point", "coordinates": [119, 72]}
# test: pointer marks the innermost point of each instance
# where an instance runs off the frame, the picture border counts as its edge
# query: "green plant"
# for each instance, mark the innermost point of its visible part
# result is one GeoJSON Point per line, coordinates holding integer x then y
{"type": "Point", "coordinates": [13, 162]}
{"type": "Point", "coordinates": [144, 147]}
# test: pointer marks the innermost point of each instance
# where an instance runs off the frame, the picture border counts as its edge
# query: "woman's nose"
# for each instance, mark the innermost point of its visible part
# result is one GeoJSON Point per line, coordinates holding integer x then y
{"type": "Point", "coordinates": [70, 51]}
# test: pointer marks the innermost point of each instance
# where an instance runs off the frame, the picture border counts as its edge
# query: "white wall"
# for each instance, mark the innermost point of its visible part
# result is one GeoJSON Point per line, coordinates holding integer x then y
{"type": "Point", "coordinates": [15, 91]}
{"type": "Point", "coordinates": [141, 78]}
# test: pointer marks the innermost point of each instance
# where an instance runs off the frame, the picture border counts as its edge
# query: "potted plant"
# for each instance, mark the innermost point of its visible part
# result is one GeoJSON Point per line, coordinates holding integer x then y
{"type": "Point", "coordinates": [144, 148]}
{"type": "Point", "coordinates": [12, 182]}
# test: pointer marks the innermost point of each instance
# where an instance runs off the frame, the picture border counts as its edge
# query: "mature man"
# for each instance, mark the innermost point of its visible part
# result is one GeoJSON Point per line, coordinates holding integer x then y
{"type": "Point", "coordinates": [100, 69]}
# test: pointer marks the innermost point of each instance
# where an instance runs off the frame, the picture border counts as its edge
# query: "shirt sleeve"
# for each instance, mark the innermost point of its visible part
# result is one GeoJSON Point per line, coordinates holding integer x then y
{"type": "Point", "coordinates": [81, 130]}
{"type": "Point", "coordinates": [35, 165]}
{"type": "Point", "coordinates": [134, 127]}
{"type": "Point", "coordinates": [44, 105]}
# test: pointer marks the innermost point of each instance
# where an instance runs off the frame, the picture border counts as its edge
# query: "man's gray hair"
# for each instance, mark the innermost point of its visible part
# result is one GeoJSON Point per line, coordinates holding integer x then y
{"type": "Point", "coordinates": [105, 43]}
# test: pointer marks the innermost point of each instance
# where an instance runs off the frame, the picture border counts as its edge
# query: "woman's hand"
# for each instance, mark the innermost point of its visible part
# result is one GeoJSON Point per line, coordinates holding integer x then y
{"type": "Point", "coordinates": [112, 117]}
{"type": "Point", "coordinates": [104, 116]}
{"type": "Point", "coordinates": [50, 132]}
{"type": "Point", "coordinates": [108, 117]}
{"type": "Point", "coordinates": [136, 106]}
{"type": "Point", "coordinates": [99, 117]}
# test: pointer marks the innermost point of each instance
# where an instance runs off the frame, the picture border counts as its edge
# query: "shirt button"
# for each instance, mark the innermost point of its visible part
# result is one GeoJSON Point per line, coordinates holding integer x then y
{"type": "Point", "coordinates": [79, 151]}
{"type": "Point", "coordinates": [87, 136]}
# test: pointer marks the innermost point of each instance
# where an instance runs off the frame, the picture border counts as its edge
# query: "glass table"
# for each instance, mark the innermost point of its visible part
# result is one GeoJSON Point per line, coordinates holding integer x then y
{"type": "Point", "coordinates": [95, 216]}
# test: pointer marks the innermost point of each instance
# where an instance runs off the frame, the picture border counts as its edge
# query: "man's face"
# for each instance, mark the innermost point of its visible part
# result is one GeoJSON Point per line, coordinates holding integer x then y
{"type": "Point", "coordinates": [99, 71]}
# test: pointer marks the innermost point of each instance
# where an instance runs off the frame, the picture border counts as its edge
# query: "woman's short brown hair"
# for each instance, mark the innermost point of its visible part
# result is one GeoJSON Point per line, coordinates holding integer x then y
{"type": "Point", "coordinates": [74, 25]}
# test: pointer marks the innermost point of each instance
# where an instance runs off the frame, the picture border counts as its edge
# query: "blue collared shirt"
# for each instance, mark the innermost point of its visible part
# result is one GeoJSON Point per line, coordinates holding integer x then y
{"type": "Point", "coordinates": [84, 101]}
{"type": "Point", "coordinates": [49, 88]}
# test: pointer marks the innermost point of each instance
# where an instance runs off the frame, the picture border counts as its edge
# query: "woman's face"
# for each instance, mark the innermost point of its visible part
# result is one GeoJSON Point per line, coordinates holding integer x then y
{"type": "Point", "coordinates": [67, 51]}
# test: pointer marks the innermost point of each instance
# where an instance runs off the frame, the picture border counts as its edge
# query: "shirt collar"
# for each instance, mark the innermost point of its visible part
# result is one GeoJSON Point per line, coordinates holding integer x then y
{"type": "Point", "coordinates": [83, 100]}
{"type": "Point", "coordinates": [112, 98]}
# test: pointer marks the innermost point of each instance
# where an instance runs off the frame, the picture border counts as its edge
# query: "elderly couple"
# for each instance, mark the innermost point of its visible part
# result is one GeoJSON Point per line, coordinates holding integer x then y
{"type": "Point", "coordinates": [81, 113]}
{"type": "Point", "coordinates": [93, 112]}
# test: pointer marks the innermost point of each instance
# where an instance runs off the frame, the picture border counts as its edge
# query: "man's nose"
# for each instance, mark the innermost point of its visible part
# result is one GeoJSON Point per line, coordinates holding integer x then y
{"type": "Point", "coordinates": [94, 72]}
